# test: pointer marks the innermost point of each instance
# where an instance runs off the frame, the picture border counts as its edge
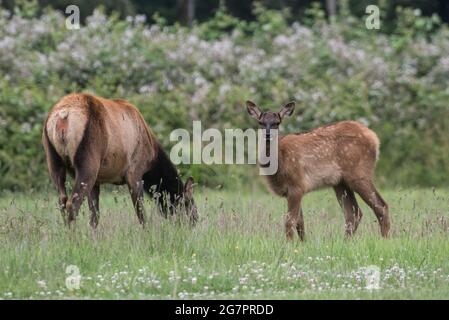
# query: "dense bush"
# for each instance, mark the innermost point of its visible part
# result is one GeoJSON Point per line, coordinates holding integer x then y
{"type": "Point", "coordinates": [396, 83]}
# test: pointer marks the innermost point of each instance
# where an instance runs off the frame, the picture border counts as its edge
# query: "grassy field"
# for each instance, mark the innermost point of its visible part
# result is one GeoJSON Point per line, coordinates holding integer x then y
{"type": "Point", "coordinates": [237, 250]}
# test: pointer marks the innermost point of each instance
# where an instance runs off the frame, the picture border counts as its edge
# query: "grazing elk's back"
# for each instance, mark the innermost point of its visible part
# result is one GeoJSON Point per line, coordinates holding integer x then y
{"type": "Point", "coordinates": [119, 132]}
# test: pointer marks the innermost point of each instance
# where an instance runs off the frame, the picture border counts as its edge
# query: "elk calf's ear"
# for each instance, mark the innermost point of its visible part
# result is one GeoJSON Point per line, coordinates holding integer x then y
{"type": "Point", "coordinates": [253, 110]}
{"type": "Point", "coordinates": [188, 188]}
{"type": "Point", "coordinates": [287, 110]}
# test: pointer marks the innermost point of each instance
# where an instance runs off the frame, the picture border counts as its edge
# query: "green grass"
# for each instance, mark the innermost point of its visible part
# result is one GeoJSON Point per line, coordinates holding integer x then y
{"type": "Point", "coordinates": [237, 250]}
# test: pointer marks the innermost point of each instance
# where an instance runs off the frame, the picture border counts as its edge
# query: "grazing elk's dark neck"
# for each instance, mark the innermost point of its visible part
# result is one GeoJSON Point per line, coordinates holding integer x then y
{"type": "Point", "coordinates": [163, 181]}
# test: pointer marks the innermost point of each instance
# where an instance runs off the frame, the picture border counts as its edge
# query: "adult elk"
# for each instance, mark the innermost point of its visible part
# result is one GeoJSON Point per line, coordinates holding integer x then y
{"type": "Point", "coordinates": [342, 155]}
{"type": "Point", "coordinates": [98, 141]}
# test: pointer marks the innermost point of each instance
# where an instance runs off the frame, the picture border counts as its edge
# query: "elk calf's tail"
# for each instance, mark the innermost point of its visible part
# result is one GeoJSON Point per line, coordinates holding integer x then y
{"type": "Point", "coordinates": [372, 136]}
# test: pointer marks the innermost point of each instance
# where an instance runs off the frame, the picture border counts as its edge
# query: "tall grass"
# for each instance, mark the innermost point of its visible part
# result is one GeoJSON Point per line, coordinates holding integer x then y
{"type": "Point", "coordinates": [237, 249]}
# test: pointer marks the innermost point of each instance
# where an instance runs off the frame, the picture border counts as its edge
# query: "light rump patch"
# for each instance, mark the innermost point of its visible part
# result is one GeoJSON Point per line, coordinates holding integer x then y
{"type": "Point", "coordinates": [65, 128]}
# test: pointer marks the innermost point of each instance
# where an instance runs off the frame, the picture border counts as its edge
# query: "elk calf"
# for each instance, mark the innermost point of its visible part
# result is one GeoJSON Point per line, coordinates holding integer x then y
{"type": "Point", "coordinates": [342, 155]}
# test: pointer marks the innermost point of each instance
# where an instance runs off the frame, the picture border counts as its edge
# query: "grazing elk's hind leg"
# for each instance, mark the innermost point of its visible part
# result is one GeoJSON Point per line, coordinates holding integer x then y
{"type": "Point", "coordinates": [88, 156]}
{"type": "Point", "coordinates": [348, 202]}
{"type": "Point", "coordinates": [94, 205]}
{"type": "Point", "coordinates": [84, 182]}
{"type": "Point", "coordinates": [371, 196]}
{"type": "Point", "coordinates": [58, 174]}
{"type": "Point", "coordinates": [294, 217]}
{"type": "Point", "coordinates": [59, 178]}
{"type": "Point", "coordinates": [135, 186]}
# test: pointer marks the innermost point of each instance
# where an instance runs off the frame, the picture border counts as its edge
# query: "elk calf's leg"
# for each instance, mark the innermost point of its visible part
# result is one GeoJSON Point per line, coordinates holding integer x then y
{"type": "Point", "coordinates": [353, 213]}
{"type": "Point", "coordinates": [294, 218]}
{"type": "Point", "coordinates": [94, 205]}
{"type": "Point", "coordinates": [372, 197]}
{"type": "Point", "coordinates": [357, 211]}
{"type": "Point", "coordinates": [382, 214]}
{"type": "Point", "coordinates": [300, 226]}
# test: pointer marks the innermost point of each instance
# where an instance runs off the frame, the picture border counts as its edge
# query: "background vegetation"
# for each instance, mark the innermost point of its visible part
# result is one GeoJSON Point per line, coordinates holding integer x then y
{"type": "Point", "coordinates": [394, 79]}
{"type": "Point", "coordinates": [188, 11]}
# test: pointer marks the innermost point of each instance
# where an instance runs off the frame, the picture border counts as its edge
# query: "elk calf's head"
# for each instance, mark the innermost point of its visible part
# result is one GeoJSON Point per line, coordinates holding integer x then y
{"type": "Point", "coordinates": [269, 120]}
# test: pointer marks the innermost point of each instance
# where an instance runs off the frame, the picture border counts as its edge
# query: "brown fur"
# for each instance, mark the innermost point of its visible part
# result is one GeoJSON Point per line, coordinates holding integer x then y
{"type": "Point", "coordinates": [342, 155]}
{"type": "Point", "coordinates": [98, 140]}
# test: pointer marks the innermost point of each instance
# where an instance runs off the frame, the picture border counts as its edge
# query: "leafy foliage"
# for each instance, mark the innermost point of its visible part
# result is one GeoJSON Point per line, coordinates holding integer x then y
{"type": "Point", "coordinates": [396, 83]}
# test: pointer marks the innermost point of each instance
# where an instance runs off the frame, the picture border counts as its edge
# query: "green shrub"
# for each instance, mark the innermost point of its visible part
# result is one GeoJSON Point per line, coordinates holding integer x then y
{"type": "Point", "coordinates": [397, 82]}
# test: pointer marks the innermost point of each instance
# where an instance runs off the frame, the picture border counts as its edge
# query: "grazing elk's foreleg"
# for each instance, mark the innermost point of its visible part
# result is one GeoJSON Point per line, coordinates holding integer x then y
{"type": "Point", "coordinates": [294, 217]}
{"type": "Point", "coordinates": [348, 202]}
{"type": "Point", "coordinates": [369, 194]}
{"type": "Point", "coordinates": [93, 200]}
{"type": "Point", "coordinates": [135, 186]}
